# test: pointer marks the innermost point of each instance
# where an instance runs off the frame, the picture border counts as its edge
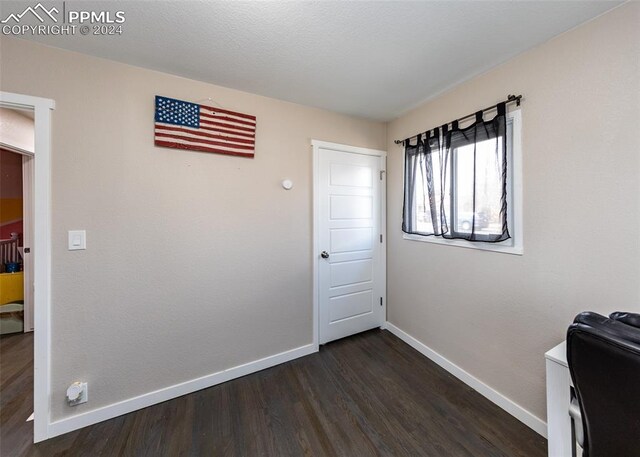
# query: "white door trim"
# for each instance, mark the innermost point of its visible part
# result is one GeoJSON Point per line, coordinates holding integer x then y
{"type": "Point", "coordinates": [42, 251]}
{"type": "Point", "coordinates": [317, 145]}
{"type": "Point", "coordinates": [15, 149]}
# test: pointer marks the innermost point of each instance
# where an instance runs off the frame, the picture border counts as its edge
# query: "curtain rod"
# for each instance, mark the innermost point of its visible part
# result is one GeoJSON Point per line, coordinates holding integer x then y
{"type": "Point", "coordinates": [510, 99]}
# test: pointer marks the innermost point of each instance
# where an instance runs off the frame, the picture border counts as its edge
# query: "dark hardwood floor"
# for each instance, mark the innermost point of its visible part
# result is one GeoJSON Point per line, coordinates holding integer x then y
{"type": "Point", "coordinates": [370, 394]}
{"type": "Point", "coordinates": [16, 393]}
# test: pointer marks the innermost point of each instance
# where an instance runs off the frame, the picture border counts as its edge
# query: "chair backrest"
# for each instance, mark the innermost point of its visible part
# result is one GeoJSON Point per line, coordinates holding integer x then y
{"type": "Point", "coordinates": [627, 318]}
{"type": "Point", "coordinates": [604, 361]}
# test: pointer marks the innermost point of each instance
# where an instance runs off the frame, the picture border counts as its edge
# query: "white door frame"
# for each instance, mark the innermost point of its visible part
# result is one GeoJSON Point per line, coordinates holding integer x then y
{"type": "Point", "coordinates": [317, 146]}
{"type": "Point", "coordinates": [42, 251]}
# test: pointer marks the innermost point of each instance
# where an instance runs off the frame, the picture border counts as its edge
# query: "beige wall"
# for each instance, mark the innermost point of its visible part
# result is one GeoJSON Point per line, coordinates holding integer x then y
{"type": "Point", "coordinates": [16, 129]}
{"type": "Point", "coordinates": [195, 262]}
{"type": "Point", "coordinates": [494, 314]}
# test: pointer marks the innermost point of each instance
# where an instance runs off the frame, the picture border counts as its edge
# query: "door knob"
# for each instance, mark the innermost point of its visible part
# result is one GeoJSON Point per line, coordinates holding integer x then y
{"type": "Point", "coordinates": [324, 254]}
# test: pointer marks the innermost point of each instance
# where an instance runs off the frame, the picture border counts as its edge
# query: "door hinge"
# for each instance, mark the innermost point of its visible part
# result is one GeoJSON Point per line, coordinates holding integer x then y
{"type": "Point", "coordinates": [27, 250]}
{"type": "Point", "coordinates": [380, 301]}
{"type": "Point", "coordinates": [381, 237]}
{"type": "Point", "coordinates": [382, 172]}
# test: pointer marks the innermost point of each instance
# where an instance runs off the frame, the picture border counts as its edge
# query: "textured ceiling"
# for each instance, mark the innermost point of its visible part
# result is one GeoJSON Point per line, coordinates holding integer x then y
{"type": "Point", "coordinates": [369, 59]}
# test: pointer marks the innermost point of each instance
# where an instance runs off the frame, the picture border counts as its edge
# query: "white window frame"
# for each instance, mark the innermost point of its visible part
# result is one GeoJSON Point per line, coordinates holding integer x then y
{"type": "Point", "coordinates": [513, 245]}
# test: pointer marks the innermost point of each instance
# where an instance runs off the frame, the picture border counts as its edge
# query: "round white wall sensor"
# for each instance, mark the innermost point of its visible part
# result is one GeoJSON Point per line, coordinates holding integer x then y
{"type": "Point", "coordinates": [287, 184]}
{"type": "Point", "coordinates": [74, 391]}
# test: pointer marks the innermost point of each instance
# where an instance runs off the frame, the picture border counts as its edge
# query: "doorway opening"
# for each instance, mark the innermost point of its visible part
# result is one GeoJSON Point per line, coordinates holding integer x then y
{"type": "Point", "coordinates": [17, 142]}
{"type": "Point", "coordinates": [35, 256]}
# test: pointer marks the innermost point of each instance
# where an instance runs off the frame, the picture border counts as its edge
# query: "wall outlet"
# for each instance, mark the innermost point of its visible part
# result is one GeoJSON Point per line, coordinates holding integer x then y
{"type": "Point", "coordinates": [77, 393]}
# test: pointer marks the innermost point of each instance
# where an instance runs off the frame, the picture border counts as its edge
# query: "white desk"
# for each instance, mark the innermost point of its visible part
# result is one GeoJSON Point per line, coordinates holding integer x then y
{"type": "Point", "coordinates": [559, 430]}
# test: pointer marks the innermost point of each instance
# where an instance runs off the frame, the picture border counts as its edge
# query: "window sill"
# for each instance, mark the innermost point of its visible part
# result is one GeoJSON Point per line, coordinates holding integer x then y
{"type": "Point", "coordinates": [494, 247]}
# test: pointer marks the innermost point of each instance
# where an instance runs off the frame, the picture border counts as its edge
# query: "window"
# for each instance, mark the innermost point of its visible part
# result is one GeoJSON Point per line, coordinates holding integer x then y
{"type": "Point", "coordinates": [455, 193]}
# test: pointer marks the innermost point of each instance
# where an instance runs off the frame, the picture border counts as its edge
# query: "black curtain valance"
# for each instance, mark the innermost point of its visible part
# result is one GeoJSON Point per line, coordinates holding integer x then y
{"type": "Point", "coordinates": [510, 99]}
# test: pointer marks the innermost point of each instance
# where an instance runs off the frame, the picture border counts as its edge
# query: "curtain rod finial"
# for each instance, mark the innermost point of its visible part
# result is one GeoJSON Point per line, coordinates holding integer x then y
{"type": "Point", "coordinates": [514, 98]}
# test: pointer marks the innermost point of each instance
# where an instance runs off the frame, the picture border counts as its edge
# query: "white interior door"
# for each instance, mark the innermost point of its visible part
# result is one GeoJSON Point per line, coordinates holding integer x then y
{"type": "Point", "coordinates": [349, 240]}
{"type": "Point", "coordinates": [27, 238]}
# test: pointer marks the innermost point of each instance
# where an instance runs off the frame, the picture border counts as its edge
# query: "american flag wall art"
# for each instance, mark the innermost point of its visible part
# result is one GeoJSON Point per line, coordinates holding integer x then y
{"type": "Point", "coordinates": [186, 125]}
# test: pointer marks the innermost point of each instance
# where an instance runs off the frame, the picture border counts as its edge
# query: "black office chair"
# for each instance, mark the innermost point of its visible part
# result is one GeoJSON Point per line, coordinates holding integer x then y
{"type": "Point", "coordinates": [604, 360]}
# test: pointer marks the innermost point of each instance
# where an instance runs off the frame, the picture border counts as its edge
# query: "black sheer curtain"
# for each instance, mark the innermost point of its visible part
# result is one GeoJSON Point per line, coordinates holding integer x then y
{"type": "Point", "coordinates": [456, 181]}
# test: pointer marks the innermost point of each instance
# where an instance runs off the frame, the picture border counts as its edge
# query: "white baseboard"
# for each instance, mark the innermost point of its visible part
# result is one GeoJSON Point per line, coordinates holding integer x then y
{"type": "Point", "coordinates": [517, 411]}
{"type": "Point", "coordinates": [132, 404]}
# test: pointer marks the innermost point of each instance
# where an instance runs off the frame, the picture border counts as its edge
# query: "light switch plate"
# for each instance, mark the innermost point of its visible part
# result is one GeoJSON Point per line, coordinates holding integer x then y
{"type": "Point", "coordinates": [77, 240]}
